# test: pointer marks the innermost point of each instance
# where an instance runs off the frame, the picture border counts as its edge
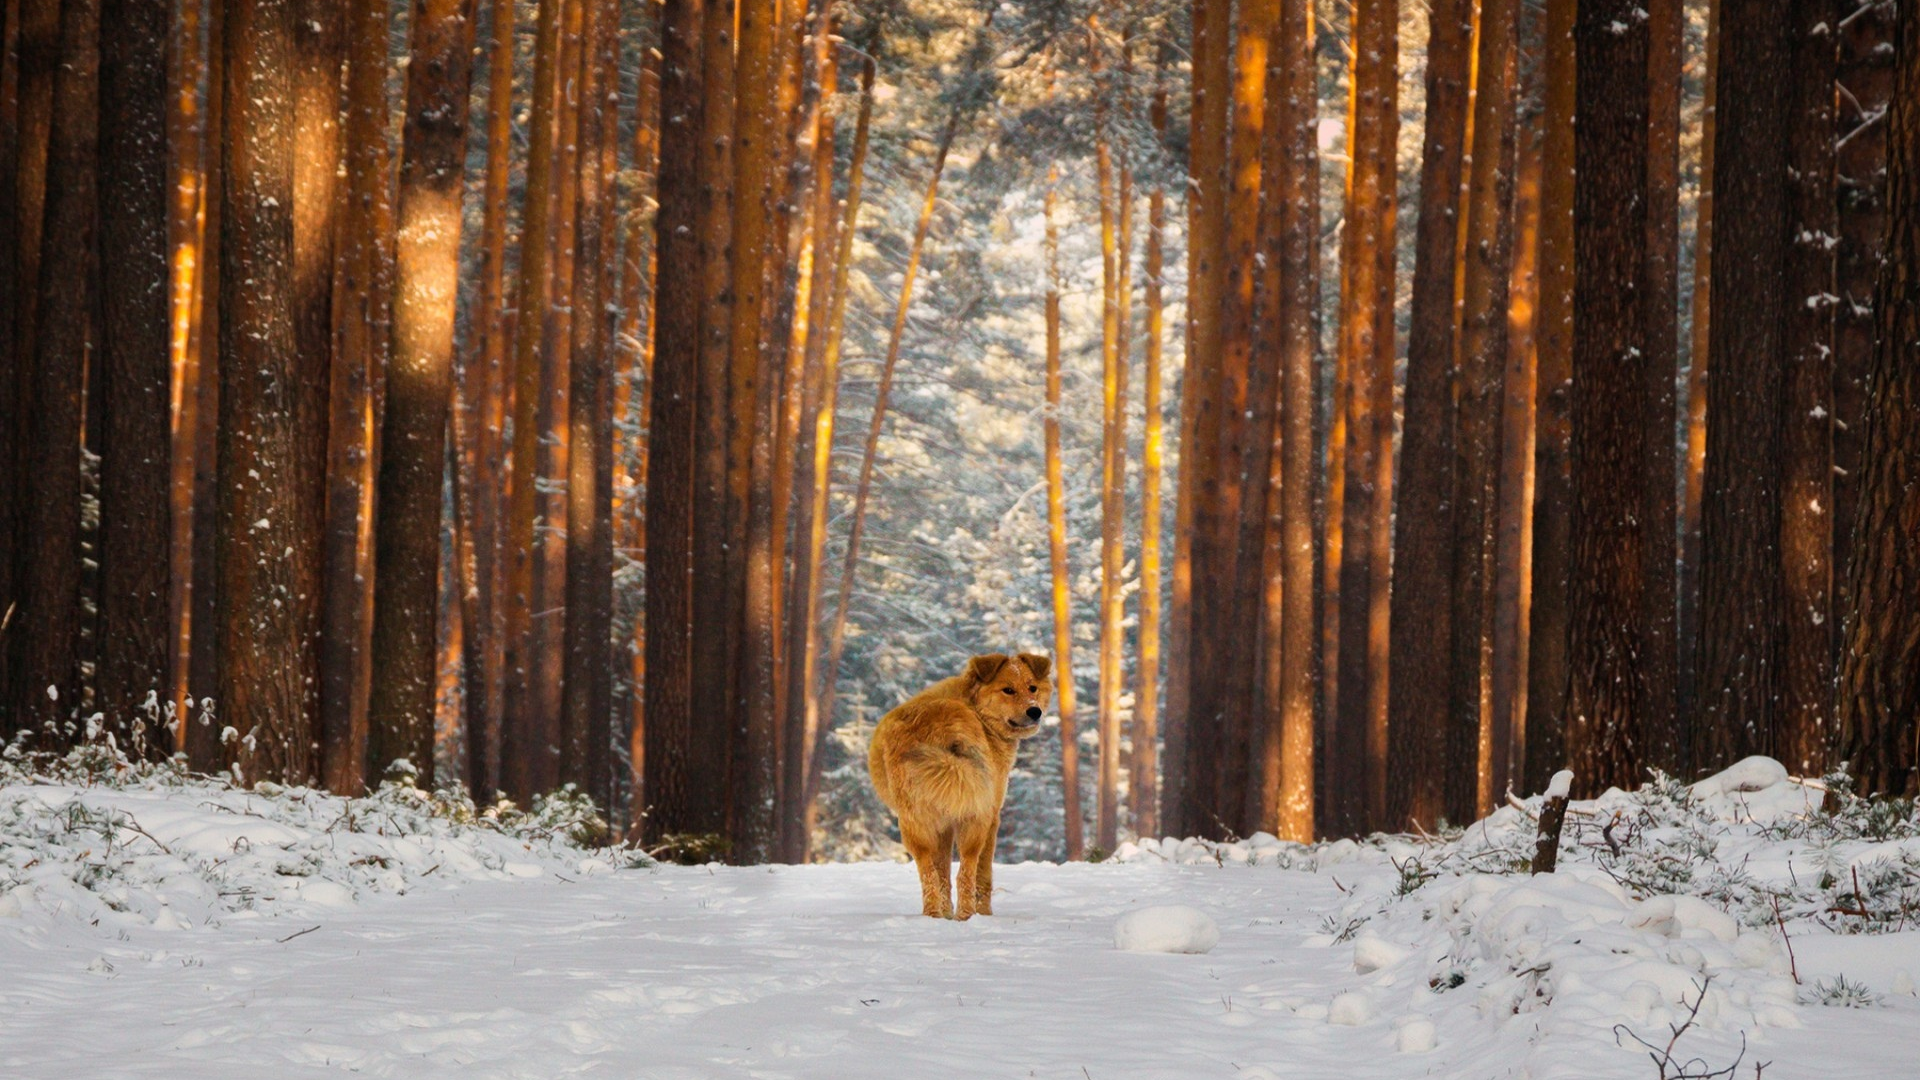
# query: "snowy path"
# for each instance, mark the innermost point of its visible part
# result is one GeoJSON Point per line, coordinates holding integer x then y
{"type": "Point", "coordinates": [806, 972]}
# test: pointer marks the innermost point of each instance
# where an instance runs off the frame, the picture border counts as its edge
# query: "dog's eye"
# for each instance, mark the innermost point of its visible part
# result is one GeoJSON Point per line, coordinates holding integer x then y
{"type": "Point", "coordinates": [1008, 691]}
{"type": "Point", "coordinates": [1031, 689]}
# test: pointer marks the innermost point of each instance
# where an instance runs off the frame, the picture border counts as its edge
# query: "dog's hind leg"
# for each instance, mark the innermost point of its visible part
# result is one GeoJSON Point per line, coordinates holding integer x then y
{"type": "Point", "coordinates": [976, 851]}
{"type": "Point", "coordinates": [933, 856]}
{"type": "Point", "coordinates": [983, 871]}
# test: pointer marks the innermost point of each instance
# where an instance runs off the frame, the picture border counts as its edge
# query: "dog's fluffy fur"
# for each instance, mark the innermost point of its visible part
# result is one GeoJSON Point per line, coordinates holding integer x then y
{"type": "Point", "coordinates": [940, 763]}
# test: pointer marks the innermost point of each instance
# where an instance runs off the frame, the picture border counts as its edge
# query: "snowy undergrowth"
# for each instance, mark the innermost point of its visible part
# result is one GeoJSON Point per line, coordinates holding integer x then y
{"type": "Point", "coordinates": [1674, 906]}
{"type": "Point", "coordinates": [114, 843]}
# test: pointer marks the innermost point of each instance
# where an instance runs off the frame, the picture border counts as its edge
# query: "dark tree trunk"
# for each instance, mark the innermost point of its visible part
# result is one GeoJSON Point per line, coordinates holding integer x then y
{"type": "Point", "coordinates": [136, 515]}
{"type": "Point", "coordinates": [271, 413]}
{"type": "Point", "coordinates": [1423, 529]}
{"type": "Point", "coordinates": [670, 440]}
{"type": "Point", "coordinates": [46, 624]}
{"type": "Point", "coordinates": [1879, 707]}
{"type": "Point", "coordinates": [1739, 677]}
{"type": "Point", "coordinates": [1807, 621]}
{"type": "Point", "coordinates": [1552, 492]}
{"type": "Point", "coordinates": [419, 379]}
{"type": "Point", "coordinates": [1610, 701]}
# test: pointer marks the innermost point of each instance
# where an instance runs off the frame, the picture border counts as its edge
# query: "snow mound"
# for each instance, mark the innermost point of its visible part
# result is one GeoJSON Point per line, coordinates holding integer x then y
{"type": "Point", "coordinates": [1170, 928]}
{"type": "Point", "coordinates": [117, 845]}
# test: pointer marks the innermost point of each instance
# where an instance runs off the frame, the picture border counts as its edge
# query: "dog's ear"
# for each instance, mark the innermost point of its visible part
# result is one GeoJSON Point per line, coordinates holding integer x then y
{"type": "Point", "coordinates": [984, 668]}
{"type": "Point", "coordinates": [1037, 664]}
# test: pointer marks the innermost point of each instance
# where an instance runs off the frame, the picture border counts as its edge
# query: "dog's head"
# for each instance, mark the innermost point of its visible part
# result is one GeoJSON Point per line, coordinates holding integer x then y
{"type": "Point", "coordinates": [1010, 693]}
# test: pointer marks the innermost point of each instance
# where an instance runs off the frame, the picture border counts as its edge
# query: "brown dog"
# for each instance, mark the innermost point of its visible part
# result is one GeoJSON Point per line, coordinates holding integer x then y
{"type": "Point", "coordinates": [940, 763]}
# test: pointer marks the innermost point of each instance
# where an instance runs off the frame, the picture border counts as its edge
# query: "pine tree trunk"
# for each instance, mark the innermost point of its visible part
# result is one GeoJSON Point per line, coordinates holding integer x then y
{"type": "Point", "coordinates": [1547, 670]}
{"type": "Point", "coordinates": [1191, 789]}
{"type": "Point", "coordinates": [201, 738]}
{"type": "Point", "coordinates": [1290, 233]}
{"type": "Point", "coordinates": [1612, 700]}
{"type": "Point", "coordinates": [670, 491]}
{"type": "Point", "coordinates": [1113, 462]}
{"type": "Point", "coordinates": [1356, 749]}
{"type": "Point", "coordinates": [481, 390]}
{"type": "Point", "coordinates": [1062, 576]}
{"type": "Point", "coordinates": [716, 612]}
{"type": "Point", "coordinates": [272, 412]}
{"type": "Point", "coordinates": [1866, 66]}
{"type": "Point", "coordinates": [587, 736]}
{"type": "Point", "coordinates": [187, 175]}
{"type": "Point", "coordinates": [755, 397]}
{"type": "Point", "coordinates": [1143, 782]}
{"type": "Point", "coordinates": [419, 381]}
{"type": "Point", "coordinates": [1662, 737]}
{"type": "Point", "coordinates": [1879, 700]}
{"type": "Point", "coordinates": [35, 27]}
{"type": "Point", "coordinates": [136, 513]}
{"type": "Point", "coordinates": [1693, 479]}
{"type": "Point", "coordinates": [819, 718]}
{"type": "Point", "coordinates": [1473, 734]}
{"type": "Point", "coordinates": [1740, 568]}
{"type": "Point", "coordinates": [1803, 720]}
{"type": "Point", "coordinates": [1423, 533]}
{"type": "Point", "coordinates": [554, 461]}
{"type": "Point", "coordinates": [520, 736]}
{"type": "Point", "coordinates": [46, 621]}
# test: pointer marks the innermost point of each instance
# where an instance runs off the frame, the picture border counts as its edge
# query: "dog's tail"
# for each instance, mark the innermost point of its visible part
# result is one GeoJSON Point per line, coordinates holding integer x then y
{"type": "Point", "coordinates": [953, 777]}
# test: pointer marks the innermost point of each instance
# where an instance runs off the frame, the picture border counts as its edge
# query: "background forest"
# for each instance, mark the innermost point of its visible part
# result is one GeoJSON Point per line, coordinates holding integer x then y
{"type": "Point", "coordinates": [646, 397]}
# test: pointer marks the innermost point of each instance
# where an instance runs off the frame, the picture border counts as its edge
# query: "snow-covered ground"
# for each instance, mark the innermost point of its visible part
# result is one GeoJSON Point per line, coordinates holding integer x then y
{"type": "Point", "coordinates": [448, 948]}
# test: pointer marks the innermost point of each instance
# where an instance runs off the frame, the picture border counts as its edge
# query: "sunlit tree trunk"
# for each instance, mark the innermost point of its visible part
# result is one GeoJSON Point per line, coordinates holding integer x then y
{"type": "Point", "coordinates": [554, 460]}
{"type": "Point", "coordinates": [419, 380]}
{"type": "Point", "coordinates": [201, 737]}
{"type": "Point", "coordinates": [812, 432]}
{"type": "Point", "coordinates": [136, 522]}
{"type": "Point", "coordinates": [1803, 722]}
{"type": "Point", "coordinates": [1879, 706]}
{"type": "Point", "coordinates": [586, 721]}
{"type": "Point", "coordinates": [1552, 491]}
{"type": "Point", "coordinates": [1062, 577]}
{"type": "Point", "coordinates": [1289, 233]}
{"type": "Point", "coordinates": [819, 718]}
{"type": "Point", "coordinates": [1514, 525]}
{"type": "Point", "coordinates": [716, 612]}
{"type": "Point", "coordinates": [481, 390]}
{"type": "Point", "coordinates": [1191, 790]}
{"type": "Point", "coordinates": [1112, 463]}
{"type": "Point", "coordinates": [520, 741]}
{"type": "Point", "coordinates": [755, 409]}
{"type": "Point", "coordinates": [46, 621]}
{"type": "Point", "coordinates": [1356, 747]}
{"type": "Point", "coordinates": [1474, 735]}
{"type": "Point", "coordinates": [271, 414]}
{"type": "Point", "coordinates": [1143, 783]}
{"type": "Point", "coordinates": [187, 164]}
{"type": "Point", "coordinates": [1423, 531]}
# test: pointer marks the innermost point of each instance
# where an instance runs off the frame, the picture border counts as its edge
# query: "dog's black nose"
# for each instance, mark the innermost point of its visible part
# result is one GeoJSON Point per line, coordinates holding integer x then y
{"type": "Point", "coordinates": [1033, 713]}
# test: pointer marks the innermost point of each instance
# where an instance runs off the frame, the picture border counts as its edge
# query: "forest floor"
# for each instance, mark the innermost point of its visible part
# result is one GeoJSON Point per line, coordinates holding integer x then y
{"type": "Point", "coordinates": [532, 959]}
